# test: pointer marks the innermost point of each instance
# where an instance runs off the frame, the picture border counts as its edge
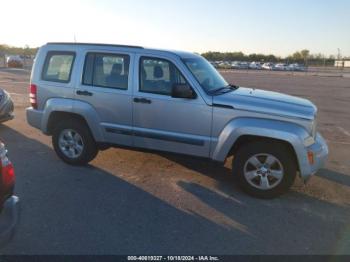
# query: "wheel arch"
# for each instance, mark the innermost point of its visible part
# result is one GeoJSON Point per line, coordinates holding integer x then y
{"type": "Point", "coordinates": [57, 109]}
{"type": "Point", "coordinates": [247, 139]}
{"type": "Point", "coordinates": [243, 130]}
{"type": "Point", "coordinates": [58, 116]}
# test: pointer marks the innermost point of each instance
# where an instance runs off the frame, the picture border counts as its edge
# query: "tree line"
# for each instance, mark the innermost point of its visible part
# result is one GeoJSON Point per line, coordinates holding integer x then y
{"type": "Point", "coordinates": [12, 50]}
{"type": "Point", "coordinates": [301, 57]}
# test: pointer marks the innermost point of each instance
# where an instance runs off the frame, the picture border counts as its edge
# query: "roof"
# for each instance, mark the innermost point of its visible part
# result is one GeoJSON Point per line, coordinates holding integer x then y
{"type": "Point", "coordinates": [93, 44]}
{"type": "Point", "coordinates": [182, 54]}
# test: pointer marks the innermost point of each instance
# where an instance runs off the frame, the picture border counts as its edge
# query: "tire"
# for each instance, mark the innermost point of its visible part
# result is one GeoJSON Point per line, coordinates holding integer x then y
{"type": "Point", "coordinates": [260, 178]}
{"type": "Point", "coordinates": [86, 143]}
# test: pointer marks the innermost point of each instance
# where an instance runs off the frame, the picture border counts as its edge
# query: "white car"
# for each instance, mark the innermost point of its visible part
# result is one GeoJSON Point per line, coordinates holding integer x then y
{"type": "Point", "coordinates": [280, 67]}
{"type": "Point", "coordinates": [255, 65]}
{"type": "Point", "coordinates": [268, 66]}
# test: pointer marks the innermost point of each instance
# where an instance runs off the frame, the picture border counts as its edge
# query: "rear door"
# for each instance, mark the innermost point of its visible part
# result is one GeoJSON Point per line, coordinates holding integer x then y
{"type": "Point", "coordinates": [106, 85]}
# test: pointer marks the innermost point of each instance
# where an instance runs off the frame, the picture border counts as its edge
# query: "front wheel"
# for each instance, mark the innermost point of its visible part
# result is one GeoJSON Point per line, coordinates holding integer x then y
{"type": "Point", "coordinates": [264, 169]}
{"type": "Point", "coordinates": [73, 142]}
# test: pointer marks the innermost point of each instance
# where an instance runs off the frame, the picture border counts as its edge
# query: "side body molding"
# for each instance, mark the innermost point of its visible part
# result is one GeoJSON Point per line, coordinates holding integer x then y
{"type": "Point", "coordinates": [73, 106]}
{"type": "Point", "coordinates": [286, 131]}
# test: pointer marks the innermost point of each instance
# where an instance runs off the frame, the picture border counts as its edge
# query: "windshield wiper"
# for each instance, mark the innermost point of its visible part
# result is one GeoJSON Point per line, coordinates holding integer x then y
{"type": "Point", "coordinates": [228, 88]}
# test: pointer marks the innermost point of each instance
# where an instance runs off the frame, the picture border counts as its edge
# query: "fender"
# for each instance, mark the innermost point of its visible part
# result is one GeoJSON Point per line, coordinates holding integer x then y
{"type": "Point", "coordinates": [285, 131]}
{"type": "Point", "coordinates": [73, 106]}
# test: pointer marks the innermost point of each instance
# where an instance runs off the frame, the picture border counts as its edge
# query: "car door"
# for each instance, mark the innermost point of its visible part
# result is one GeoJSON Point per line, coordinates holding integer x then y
{"type": "Point", "coordinates": [106, 86]}
{"type": "Point", "coordinates": [162, 122]}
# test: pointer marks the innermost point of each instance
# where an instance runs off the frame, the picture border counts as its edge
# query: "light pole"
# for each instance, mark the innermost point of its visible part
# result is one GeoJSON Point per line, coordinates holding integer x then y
{"type": "Point", "coordinates": [340, 58]}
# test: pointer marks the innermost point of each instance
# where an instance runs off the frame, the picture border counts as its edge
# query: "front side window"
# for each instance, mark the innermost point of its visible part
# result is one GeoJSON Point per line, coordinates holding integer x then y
{"type": "Point", "coordinates": [207, 76]}
{"type": "Point", "coordinates": [58, 66]}
{"type": "Point", "coordinates": [158, 76]}
{"type": "Point", "coordinates": [106, 70]}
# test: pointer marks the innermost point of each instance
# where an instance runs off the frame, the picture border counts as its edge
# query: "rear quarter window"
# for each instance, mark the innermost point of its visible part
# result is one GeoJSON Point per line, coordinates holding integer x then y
{"type": "Point", "coordinates": [58, 66]}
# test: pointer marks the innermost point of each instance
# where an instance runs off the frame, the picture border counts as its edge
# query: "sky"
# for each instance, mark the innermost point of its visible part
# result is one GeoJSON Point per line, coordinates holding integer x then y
{"type": "Point", "coordinates": [278, 27]}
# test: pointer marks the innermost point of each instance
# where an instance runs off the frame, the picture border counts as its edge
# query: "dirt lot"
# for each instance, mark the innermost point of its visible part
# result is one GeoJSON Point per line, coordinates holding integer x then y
{"type": "Point", "coordinates": [130, 202]}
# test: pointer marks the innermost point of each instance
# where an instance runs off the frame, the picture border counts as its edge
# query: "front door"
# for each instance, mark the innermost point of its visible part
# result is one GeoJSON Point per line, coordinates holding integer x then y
{"type": "Point", "coordinates": [162, 122]}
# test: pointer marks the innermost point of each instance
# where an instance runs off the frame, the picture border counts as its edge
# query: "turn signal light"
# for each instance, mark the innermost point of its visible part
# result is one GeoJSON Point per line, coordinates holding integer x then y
{"type": "Point", "coordinates": [310, 156]}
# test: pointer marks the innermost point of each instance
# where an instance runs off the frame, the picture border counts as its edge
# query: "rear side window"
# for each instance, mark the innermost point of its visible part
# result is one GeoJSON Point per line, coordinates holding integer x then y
{"type": "Point", "coordinates": [106, 70]}
{"type": "Point", "coordinates": [58, 66]}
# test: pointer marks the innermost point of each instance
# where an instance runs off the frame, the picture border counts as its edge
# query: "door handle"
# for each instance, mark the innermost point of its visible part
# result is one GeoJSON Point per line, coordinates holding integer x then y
{"type": "Point", "coordinates": [142, 100]}
{"type": "Point", "coordinates": [84, 93]}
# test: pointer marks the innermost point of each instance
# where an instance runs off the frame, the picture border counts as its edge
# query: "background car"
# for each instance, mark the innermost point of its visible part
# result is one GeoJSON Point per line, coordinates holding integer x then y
{"type": "Point", "coordinates": [6, 106]}
{"type": "Point", "coordinates": [268, 66]}
{"type": "Point", "coordinates": [244, 65]}
{"type": "Point", "coordinates": [225, 65]}
{"type": "Point", "coordinates": [296, 67]}
{"type": "Point", "coordinates": [280, 67]}
{"type": "Point", "coordinates": [235, 65]}
{"type": "Point", "coordinates": [15, 62]}
{"type": "Point", "coordinates": [9, 204]}
{"type": "Point", "coordinates": [255, 65]}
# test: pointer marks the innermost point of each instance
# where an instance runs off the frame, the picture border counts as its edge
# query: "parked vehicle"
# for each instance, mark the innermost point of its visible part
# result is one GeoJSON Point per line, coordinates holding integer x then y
{"type": "Point", "coordinates": [225, 65]}
{"type": "Point", "coordinates": [14, 61]}
{"type": "Point", "coordinates": [239, 65]}
{"type": "Point", "coordinates": [244, 65]}
{"type": "Point", "coordinates": [6, 106]}
{"type": "Point", "coordinates": [280, 67]}
{"type": "Point", "coordinates": [9, 204]}
{"type": "Point", "coordinates": [296, 67]}
{"type": "Point", "coordinates": [89, 97]}
{"type": "Point", "coordinates": [236, 65]}
{"type": "Point", "coordinates": [268, 66]}
{"type": "Point", "coordinates": [255, 66]}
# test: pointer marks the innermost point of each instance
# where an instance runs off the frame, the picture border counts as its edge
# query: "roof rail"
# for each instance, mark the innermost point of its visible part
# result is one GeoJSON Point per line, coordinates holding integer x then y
{"type": "Point", "coordinates": [92, 44]}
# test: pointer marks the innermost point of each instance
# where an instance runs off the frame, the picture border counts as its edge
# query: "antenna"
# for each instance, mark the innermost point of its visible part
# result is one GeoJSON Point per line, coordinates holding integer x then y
{"type": "Point", "coordinates": [75, 39]}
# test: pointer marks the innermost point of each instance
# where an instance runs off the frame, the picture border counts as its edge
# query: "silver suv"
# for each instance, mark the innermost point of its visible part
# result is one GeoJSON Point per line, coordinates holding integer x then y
{"type": "Point", "coordinates": [92, 96]}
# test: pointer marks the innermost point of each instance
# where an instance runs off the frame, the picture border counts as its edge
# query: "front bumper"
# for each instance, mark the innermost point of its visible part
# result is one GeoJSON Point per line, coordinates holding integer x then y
{"type": "Point", "coordinates": [9, 217]}
{"type": "Point", "coordinates": [320, 154]}
{"type": "Point", "coordinates": [6, 110]}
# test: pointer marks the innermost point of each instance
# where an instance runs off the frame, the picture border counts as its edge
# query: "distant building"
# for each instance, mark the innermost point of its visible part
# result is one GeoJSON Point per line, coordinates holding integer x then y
{"type": "Point", "coordinates": [342, 63]}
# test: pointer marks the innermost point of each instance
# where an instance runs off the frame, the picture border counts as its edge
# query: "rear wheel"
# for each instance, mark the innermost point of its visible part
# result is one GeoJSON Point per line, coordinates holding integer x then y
{"type": "Point", "coordinates": [264, 169]}
{"type": "Point", "coordinates": [73, 142]}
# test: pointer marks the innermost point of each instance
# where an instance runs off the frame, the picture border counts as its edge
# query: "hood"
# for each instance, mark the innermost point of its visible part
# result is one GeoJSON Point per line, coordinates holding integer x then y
{"type": "Point", "coordinates": [267, 102]}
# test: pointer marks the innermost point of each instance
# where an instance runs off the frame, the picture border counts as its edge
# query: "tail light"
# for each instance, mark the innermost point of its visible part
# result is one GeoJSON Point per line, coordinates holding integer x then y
{"type": "Point", "coordinates": [33, 96]}
{"type": "Point", "coordinates": [6, 167]}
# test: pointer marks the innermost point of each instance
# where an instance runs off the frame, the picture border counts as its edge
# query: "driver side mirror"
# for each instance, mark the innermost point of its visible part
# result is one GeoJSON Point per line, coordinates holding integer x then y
{"type": "Point", "coordinates": [182, 91]}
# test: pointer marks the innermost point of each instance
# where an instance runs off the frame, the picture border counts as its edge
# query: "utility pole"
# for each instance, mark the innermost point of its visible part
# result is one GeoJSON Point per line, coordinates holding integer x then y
{"type": "Point", "coordinates": [340, 58]}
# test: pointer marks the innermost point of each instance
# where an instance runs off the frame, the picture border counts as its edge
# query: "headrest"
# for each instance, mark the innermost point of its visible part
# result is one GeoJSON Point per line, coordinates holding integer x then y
{"type": "Point", "coordinates": [117, 68]}
{"type": "Point", "coordinates": [158, 72]}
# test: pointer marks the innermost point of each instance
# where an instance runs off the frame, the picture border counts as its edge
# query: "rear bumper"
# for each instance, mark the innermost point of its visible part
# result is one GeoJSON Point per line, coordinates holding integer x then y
{"type": "Point", "coordinates": [34, 117]}
{"type": "Point", "coordinates": [320, 152]}
{"type": "Point", "coordinates": [9, 218]}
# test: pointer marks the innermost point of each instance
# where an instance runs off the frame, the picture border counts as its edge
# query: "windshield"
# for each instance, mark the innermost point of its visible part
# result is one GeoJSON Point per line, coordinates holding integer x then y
{"type": "Point", "coordinates": [207, 76]}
